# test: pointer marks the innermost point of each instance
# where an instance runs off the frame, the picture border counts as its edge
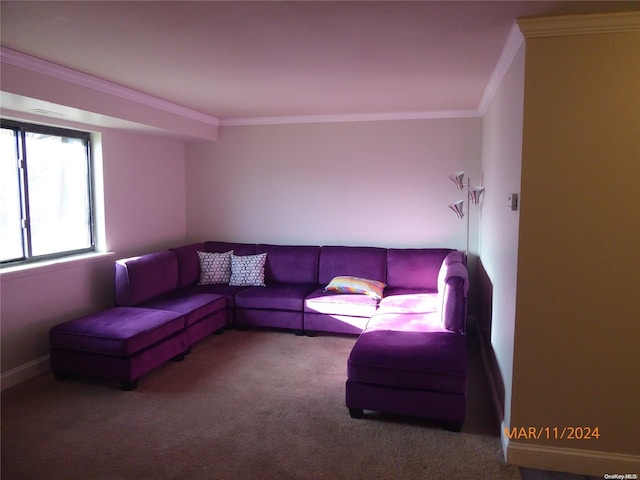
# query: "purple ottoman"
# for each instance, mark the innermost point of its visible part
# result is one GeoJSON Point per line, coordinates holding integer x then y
{"type": "Point", "coordinates": [413, 373]}
{"type": "Point", "coordinates": [121, 343]}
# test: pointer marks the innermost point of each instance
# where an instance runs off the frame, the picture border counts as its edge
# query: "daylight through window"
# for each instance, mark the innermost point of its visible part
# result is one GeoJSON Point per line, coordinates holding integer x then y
{"type": "Point", "coordinates": [46, 207]}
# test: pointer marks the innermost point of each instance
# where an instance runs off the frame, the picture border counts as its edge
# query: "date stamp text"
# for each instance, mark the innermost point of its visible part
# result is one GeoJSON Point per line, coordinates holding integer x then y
{"type": "Point", "coordinates": [552, 433]}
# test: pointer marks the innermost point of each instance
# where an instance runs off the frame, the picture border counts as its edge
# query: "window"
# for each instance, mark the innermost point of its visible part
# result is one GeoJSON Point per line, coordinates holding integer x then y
{"type": "Point", "coordinates": [46, 207]}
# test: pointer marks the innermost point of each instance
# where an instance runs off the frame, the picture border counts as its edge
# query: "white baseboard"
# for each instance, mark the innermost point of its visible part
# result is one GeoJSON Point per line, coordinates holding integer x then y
{"type": "Point", "coordinates": [570, 460]}
{"type": "Point", "coordinates": [24, 372]}
{"type": "Point", "coordinates": [505, 440]}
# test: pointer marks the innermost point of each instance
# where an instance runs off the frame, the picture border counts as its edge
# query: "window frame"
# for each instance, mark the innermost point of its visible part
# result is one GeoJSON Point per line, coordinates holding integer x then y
{"type": "Point", "coordinates": [21, 128]}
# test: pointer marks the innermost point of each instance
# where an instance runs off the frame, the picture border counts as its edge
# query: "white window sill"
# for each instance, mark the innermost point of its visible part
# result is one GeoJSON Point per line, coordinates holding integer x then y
{"type": "Point", "coordinates": [46, 266]}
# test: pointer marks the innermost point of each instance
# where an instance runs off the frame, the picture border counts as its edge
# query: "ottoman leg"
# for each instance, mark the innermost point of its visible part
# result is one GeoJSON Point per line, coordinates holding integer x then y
{"type": "Point", "coordinates": [181, 356]}
{"type": "Point", "coordinates": [356, 412]}
{"type": "Point", "coordinates": [60, 375]}
{"type": "Point", "coordinates": [129, 385]}
{"type": "Point", "coordinates": [453, 427]}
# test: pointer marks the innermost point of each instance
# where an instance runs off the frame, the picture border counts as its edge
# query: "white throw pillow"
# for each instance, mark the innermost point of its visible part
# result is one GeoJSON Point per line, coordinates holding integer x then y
{"type": "Point", "coordinates": [248, 270]}
{"type": "Point", "coordinates": [215, 267]}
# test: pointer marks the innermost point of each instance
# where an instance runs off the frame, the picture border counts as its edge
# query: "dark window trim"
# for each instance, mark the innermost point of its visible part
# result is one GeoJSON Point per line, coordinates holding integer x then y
{"type": "Point", "coordinates": [23, 127]}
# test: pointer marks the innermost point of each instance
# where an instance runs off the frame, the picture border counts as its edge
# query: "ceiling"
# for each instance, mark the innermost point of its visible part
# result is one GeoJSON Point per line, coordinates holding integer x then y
{"type": "Point", "coordinates": [238, 59]}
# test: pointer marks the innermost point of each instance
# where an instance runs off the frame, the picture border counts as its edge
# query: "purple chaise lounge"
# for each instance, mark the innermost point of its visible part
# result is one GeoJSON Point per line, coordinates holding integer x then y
{"type": "Point", "coordinates": [154, 321]}
{"type": "Point", "coordinates": [411, 359]}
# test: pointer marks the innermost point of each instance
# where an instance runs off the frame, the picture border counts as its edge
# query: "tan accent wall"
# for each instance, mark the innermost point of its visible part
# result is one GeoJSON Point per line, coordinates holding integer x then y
{"type": "Point", "coordinates": [577, 333]}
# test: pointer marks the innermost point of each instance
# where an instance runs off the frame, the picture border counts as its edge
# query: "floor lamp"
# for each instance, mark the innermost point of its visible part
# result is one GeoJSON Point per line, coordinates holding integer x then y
{"type": "Point", "coordinates": [473, 196]}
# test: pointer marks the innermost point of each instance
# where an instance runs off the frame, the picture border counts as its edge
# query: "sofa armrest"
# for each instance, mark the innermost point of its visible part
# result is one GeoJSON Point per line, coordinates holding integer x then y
{"type": "Point", "coordinates": [453, 287]}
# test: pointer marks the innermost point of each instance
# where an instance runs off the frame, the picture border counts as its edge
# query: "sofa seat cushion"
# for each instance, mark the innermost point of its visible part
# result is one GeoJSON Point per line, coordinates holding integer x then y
{"type": "Point", "coordinates": [341, 324]}
{"type": "Point", "coordinates": [225, 290]}
{"type": "Point", "coordinates": [395, 291]}
{"type": "Point", "coordinates": [435, 361]}
{"type": "Point", "coordinates": [194, 306]}
{"type": "Point", "coordinates": [404, 322]}
{"type": "Point", "coordinates": [331, 303]}
{"type": "Point", "coordinates": [119, 331]}
{"type": "Point", "coordinates": [274, 297]}
{"type": "Point", "coordinates": [410, 302]}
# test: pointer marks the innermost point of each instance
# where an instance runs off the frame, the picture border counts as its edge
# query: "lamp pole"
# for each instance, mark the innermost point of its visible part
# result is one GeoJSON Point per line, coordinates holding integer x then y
{"type": "Point", "coordinates": [468, 215]}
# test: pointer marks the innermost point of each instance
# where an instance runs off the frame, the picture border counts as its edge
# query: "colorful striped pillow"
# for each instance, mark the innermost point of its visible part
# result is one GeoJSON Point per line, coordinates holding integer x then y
{"type": "Point", "coordinates": [348, 284]}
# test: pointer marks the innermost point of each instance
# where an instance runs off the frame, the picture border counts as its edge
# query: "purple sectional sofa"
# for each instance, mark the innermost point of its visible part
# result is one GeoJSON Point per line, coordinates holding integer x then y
{"type": "Point", "coordinates": [410, 357]}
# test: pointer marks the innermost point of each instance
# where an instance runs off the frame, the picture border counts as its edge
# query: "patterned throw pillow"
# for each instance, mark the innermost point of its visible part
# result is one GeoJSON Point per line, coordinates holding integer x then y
{"type": "Point", "coordinates": [348, 284]}
{"type": "Point", "coordinates": [215, 267]}
{"type": "Point", "coordinates": [248, 270]}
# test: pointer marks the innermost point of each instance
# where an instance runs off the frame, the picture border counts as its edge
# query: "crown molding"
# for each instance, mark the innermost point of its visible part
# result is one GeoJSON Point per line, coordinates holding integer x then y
{"type": "Point", "coordinates": [353, 117]}
{"type": "Point", "coordinates": [509, 52]}
{"type": "Point", "coordinates": [50, 69]}
{"type": "Point", "coordinates": [53, 70]}
{"type": "Point", "coordinates": [536, 27]}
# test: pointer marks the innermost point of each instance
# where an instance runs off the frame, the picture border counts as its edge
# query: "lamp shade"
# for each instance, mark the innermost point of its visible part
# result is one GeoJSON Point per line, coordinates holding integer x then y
{"type": "Point", "coordinates": [475, 194]}
{"type": "Point", "coordinates": [458, 208]}
{"type": "Point", "coordinates": [458, 179]}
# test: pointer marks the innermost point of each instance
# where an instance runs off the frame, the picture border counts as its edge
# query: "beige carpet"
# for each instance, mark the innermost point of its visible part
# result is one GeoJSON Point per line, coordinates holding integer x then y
{"type": "Point", "coordinates": [244, 405]}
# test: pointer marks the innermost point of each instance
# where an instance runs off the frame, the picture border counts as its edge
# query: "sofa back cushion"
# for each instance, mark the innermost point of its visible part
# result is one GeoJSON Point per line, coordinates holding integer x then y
{"type": "Point", "coordinates": [188, 263]}
{"type": "Point", "coordinates": [142, 278]}
{"type": "Point", "coordinates": [415, 268]}
{"type": "Point", "coordinates": [290, 264]}
{"type": "Point", "coordinates": [239, 249]}
{"type": "Point", "coordinates": [363, 262]}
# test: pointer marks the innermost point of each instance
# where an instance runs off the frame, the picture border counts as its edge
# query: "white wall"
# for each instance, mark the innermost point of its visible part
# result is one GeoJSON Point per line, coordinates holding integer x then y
{"type": "Point", "coordinates": [144, 178]}
{"type": "Point", "coordinates": [144, 203]}
{"type": "Point", "coordinates": [501, 167]}
{"type": "Point", "coordinates": [370, 183]}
